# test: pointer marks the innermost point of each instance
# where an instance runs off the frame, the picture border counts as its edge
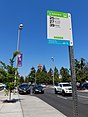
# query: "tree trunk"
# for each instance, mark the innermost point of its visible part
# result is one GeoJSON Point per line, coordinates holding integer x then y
{"type": "Point", "coordinates": [9, 95]}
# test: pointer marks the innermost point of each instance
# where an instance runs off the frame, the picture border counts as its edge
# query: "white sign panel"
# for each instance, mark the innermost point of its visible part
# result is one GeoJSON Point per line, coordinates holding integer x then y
{"type": "Point", "coordinates": [59, 29]}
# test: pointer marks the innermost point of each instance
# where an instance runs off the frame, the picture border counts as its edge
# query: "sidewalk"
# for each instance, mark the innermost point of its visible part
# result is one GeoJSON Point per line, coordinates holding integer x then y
{"type": "Point", "coordinates": [35, 107]}
{"type": "Point", "coordinates": [30, 106]}
{"type": "Point", "coordinates": [10, 109]}
{"type": "Point", "coordinates": [85, 91]}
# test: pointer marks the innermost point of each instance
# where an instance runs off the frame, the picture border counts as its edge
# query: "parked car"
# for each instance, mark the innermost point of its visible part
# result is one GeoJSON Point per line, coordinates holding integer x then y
{"type": "Point", "coordinates": [2, 86]}
{"type": "Point", "coordinates": [38, 89]}
{"type": "Point", "coordinates": [43, 85]}
{"type": "Point", "coordinates": [63, 88]}
{"type": "Point", "coordinates": [24, 88]}
{"type": "Point", "coordinates": [84, 86]}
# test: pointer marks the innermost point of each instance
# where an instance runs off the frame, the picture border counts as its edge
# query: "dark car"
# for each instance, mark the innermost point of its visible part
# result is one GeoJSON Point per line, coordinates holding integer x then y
{"type": "Point", "coordinates": [38, 89]}
{"type": "Point", "coordinates": [24, 88]}
{"type": "Point", "coordinates": [84, 86]}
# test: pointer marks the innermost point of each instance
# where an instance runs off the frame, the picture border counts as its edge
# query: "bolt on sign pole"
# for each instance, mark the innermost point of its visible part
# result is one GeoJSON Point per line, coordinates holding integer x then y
{"type": "Point", "coordinates": [59, 31]}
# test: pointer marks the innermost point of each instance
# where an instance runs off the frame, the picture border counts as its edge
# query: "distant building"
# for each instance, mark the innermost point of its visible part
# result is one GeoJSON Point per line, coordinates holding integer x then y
{"type": "Point", "coordinates": [39, 66]}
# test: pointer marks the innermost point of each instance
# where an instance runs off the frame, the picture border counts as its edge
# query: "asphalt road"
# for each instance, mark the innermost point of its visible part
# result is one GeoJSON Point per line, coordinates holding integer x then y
{"type": "Point", "coordinates": [64, 104]}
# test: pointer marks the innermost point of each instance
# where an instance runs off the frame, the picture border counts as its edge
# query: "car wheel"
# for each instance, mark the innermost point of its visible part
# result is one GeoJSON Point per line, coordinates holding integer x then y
{"type": "Point", "coordinates": [63, 93]}
{"type": "Point", "coordinates": [55, 91]}
{"type": "Point", "coordinates": [84, 88]}
{"type": "Point", "coordinates": [34, 92]}
{"type": "Point", "coordinates": [42, 92]}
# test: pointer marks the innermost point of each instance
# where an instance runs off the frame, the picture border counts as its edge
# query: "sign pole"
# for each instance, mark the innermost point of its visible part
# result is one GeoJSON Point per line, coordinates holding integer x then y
{"type": "Point", "coordinates": [59, 31]}
{"type": "Point", "coordinates": [73, 81]}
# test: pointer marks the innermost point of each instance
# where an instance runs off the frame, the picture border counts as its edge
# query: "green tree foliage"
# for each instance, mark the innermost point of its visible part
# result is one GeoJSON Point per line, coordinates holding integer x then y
{"type": "Point", "coordinates": [38, 76]}
{"type": "Point", "coordinates": [7, 73]}
{"type": "Point", "coordinates": [44, 69]}
{"type": "Point", "coordinates": [65, 74]}
{"type": "Point", "coordinates": [56, 75]}
{"type": "Point", "coordinates": [20, 80]}
{"type": "Point", "coordinates": [81, 70]}
{"type": "Point", "coordinates": [82, 63]}
{"type": "Point", "coordinates": [42, 76]}
{"type": "Point", "coordinates": [3, 74]}
{"type": "Point", "coordinates": [50, 76]}
{"type": "Point", "coordinates": [77, 66]}
{"type": "Point", "coordinates": [31, 76]}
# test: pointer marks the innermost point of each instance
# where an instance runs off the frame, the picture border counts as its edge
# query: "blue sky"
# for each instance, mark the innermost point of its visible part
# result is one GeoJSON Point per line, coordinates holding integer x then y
{"type": "Point", "coordinates": [33, 38]}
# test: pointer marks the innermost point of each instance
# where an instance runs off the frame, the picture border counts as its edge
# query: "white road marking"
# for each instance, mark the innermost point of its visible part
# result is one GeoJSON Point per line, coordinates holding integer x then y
{"type": "Point", "coordinates": [62, 97]}
{"type": "Point", "coordinates": [82, 96]}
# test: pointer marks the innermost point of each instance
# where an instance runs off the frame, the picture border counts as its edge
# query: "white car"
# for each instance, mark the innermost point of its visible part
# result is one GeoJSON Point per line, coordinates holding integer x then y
{"type": "Point", "coordinates": [63, 88]}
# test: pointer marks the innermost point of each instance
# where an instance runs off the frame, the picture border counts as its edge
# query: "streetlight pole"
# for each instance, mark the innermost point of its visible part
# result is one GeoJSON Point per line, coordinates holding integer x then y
{"type": "Point", "coordinates": [53, 68]}
{"type": "Point", "coordinates": [19, 29]}
{"type": "Point", "coordinates": [18, 41]}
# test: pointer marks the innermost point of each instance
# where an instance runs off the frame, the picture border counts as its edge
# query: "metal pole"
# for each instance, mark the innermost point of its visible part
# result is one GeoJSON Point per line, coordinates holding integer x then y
{"type": "Point", "coordinates": [18, 42]}
{"type": "Point", "coordinates": [18, 39]}
{"type": "Point", "coordinates": [73, 80]}
{"type": "Point", "coordinates": [16, 56]}
{"type": "Point", "coordinates": [53, 68]}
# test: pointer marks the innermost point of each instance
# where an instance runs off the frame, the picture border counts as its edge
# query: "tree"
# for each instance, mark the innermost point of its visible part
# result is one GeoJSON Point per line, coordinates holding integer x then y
{"type": "Point", "coordinates": [2, 74]}
{"type": "Point", "coordinates": [44, 75]}
{"type": "Point", "coordinates": [65, 74]}
{"type": "Point", "coordinates": [82, 63]}
{"type": "Point", "coordinates": [56, 75]}
{"type": "Point", "coordinates": [44, 69]}
{"type": "Point", "coordinates": [81, 70]}
{"type": "Point", "coordinates": [31, 76]}
{"type": "Point", "coordinates": [9, 73]}
{"type": "Point", "coordinates": [20, 80]}
{"type": "Point", "coordinates": [50, 76]}
{"type": "Point", "coordinates": [77, 66]}
{"type": "Point", "coordinates": [38, 76]}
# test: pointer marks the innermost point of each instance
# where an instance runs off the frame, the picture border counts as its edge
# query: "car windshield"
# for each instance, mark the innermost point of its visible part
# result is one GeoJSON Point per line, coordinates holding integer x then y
{"type": "Point", "coordinates": [39, 87]}
{"type": "Point", "coordinates": [24, 86]}
{"type": "Point", "coordinates": [66, 85]}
